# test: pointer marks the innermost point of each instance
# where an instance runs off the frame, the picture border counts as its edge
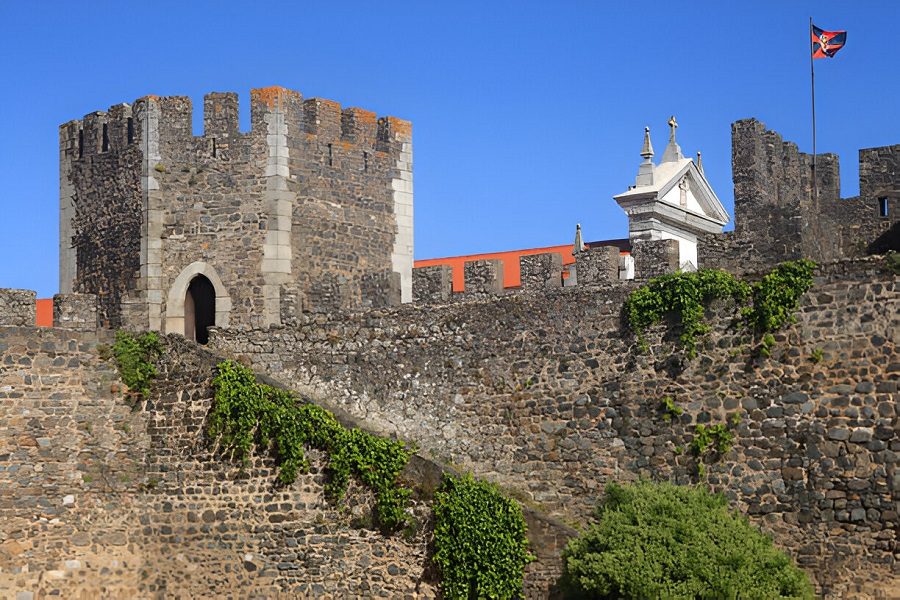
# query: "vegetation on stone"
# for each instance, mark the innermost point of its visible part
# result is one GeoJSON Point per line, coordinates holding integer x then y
{"type": "Point", "coordinates": [684, 296]}
{"type": "Point", "coordinates": [776, 295]}
{"type": "Point", "coordinates": [480, 545]}
{"type": "Point", "coordinates": [135, 357]}
{"type": "Point", "coordinates": [247, 414]}
{"type": "Point", "coordinates": [666, 541]}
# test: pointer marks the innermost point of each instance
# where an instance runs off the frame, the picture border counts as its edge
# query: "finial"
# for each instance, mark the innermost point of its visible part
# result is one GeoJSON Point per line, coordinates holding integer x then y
{"type": "Point", "coordinates": [673, 151]}
{"type": "Point", "coordinates": [647, 149]}
{"type": "Point", "coordinates": [672, 125]}
{"type": "Point", "coordinates": [579, 244]}
{"type": "Point", "coordinates": [699, 162]}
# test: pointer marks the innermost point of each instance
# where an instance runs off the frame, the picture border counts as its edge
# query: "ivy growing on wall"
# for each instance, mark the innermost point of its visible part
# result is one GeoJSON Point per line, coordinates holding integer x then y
{"type": "Point", "coordinates": [776, 295]}
{"type": "Point", "coordinates": [480, 545]}
{"type": "Point", "coordinates": [248, 415]}
{"type": "Point", "coordinates": [682, 297]}
{"type": "Point", "coordinates": [135, 357]}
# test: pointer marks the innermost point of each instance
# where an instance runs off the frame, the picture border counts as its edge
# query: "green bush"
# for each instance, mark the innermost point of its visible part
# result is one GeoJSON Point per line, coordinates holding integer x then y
{"type": "Point", "coordinates": [666, 541]}
{"type": "Point", "coordinates": [480, 545]}
{"type": "Point", "coordinates": [135, 357]}
{"type": "Point", "coordinates": [247, 414]}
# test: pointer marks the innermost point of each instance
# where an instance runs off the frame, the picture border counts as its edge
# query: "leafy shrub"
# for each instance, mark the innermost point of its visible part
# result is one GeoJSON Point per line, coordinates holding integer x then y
{"type": "Point", "coordinates": [716, 435]}
{"type": "Point", "coordinates": [135, 357]}
{"type": "Point", "coordinates": [667, 541]}
{"type": "Point", "coordinates": [670, 409]}
{"type": "Point", "coordinates": [247, 414]}
{"type": "Point", "coordinates": [480, 546]}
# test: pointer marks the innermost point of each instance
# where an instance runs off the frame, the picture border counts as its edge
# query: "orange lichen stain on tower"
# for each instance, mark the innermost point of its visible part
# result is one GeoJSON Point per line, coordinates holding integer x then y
{"type": "Point", "coordinates": [272, 95]}
{"type": "Point", "coordinates": [362, 115]}
{"type": "Point", "coordinates": [44, 312]}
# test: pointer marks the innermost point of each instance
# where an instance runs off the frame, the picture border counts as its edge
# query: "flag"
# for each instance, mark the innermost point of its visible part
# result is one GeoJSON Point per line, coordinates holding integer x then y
{"type": "Point", "coordinates": [825, 44]}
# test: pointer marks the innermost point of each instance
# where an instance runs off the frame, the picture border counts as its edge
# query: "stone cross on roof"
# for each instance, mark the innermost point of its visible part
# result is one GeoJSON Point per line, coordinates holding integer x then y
{"type": "Point", "coordinates": [673, 150]}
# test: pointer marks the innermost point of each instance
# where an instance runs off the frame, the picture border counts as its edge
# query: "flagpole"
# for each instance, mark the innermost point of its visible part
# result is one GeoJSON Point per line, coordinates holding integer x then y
{"type": "Point", "coordinates": [812, 79]}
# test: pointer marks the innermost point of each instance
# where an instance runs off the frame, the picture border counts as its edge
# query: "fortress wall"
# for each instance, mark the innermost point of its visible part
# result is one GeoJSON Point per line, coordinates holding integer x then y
{"type": "Point", "coordinates": [102, 497]}
{"type": "Point", "coordinates": [548, 396]}
{"type": "Point", "coordinates": [209, 203]}
{"type": "Point", "coordinates": [312, 196]}
{"type": "Point", "coordinates": [778, 217]}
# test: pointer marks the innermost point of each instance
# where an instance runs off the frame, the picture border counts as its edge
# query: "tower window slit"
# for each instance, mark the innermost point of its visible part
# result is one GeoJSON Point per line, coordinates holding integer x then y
{"type": "Point", "coordinates": [104, 145]}
{"type": "Point", "coordinates": [330, 155]}
{"type": "Point", "coordinates": [214, 147]}
{"type": "Point", "coordinates": [365, 161]}
{"type": "Point", "coordinates": [80, 143]}
{"type": "Point", "coordinates": [883, 209]}
{"type": "Point", "coordinates": [130, 130]}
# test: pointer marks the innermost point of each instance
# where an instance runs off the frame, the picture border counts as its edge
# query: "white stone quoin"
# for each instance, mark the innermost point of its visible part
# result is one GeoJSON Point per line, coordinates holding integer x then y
{"type": "Point", "coordinates": [672, 200]}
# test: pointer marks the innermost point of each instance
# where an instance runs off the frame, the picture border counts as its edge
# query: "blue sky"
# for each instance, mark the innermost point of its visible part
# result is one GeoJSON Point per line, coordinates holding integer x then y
{"type": "Point", "coordinates": [527, 116]}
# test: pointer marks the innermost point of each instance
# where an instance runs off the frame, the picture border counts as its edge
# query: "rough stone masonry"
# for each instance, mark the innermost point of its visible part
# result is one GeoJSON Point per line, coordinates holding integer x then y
{"type": "Point", "coordinates": [314, 198]}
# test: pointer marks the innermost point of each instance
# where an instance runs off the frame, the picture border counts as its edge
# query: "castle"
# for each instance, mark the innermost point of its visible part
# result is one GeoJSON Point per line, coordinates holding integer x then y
{"type": "Point", "coordinates": [290, 246]}
{"type": "Point", "coordinates": [174, 232]}
{"type": "Point", "coordinates": [312, 210]}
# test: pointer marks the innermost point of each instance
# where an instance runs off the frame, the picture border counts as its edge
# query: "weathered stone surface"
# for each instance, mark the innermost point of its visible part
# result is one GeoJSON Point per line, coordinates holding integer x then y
{"type": "Point", "coordinates": [75, 311]}
{"type": "Point", "coordinates": [778, 216]}
{"type": "Point", "coordinates": [17, 308]}
{"type": "Point", "coordinates": [312, 196]}
{"type": "Point", "coordinates": [550, 396]}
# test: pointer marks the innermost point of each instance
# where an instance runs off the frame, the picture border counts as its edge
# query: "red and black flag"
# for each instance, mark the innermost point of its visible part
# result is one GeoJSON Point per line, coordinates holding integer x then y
{"type": "Point", "coordinates": [825, 44]}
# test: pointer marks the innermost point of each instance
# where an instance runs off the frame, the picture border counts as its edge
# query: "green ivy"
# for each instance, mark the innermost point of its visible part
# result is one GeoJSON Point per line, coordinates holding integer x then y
{"type": "Point", "coordinates": [247, 414]}
{"type": "Point", "coordinates": [683, 296]}
{"type": "Point", "coordinates": [717, 436]}
{"type": "Point", "coordinates": [670, 409]}
{"type": "Point", "coordinates": [480, 546]}
{"type": "Point", "coordinates": [776, 295]}
{"type": "Point", "coordinates": [135, 357]}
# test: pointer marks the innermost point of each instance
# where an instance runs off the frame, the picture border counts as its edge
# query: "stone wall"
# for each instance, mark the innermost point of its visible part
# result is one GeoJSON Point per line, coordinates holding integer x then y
{"type": "Point", "coordinates": [778, 217]}
{"type": "Point", "coordinates": [312, 196]}
{"type": "Point", "coordinates": [75, 311]}
{"type": "Point", "coordinates": [547, 395]}
{"type": "Point", "coordinates": [17, 308]}
{"type": "Point", "coordinates": [105, 496]}
{"type": "Point", "coordinates": [102, 209]}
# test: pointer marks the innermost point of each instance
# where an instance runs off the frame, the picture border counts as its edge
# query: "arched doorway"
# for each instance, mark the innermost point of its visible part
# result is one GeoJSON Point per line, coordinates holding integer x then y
{"type": "Point", "coordinates": [199, 309]}
{"type": "Point", "coordinates": [178, 296]}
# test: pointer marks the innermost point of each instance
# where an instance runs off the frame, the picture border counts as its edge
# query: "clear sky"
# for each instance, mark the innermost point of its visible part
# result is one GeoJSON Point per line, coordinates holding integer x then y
{"type": "Point", "coordinates": [527, 116]}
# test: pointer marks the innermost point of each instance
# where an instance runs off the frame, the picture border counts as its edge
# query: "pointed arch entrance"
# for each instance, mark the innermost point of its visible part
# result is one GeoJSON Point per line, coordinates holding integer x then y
{"type": "Point", "coordinates": [197, 300]}
{"type": "Point", "coordinates": [199, 309]}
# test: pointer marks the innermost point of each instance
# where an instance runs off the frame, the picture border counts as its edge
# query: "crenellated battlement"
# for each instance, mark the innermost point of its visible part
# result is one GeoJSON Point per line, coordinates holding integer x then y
{"type": "Point", "coordinates": [780, 214]}
{"type": "Point", "coordinates": [599, 266]}
{"type": "Point", "coordinates": [317, 119]}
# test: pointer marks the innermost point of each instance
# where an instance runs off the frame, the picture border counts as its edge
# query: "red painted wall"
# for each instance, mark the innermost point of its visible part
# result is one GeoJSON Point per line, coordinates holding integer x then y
{"type": "Point", "coordinates": [510, 258]}
{"type": "Point", "coordinates": [44, 312]}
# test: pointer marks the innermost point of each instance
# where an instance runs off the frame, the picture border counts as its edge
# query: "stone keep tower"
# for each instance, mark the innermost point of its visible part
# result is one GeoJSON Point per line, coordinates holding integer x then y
{"type": "Point", "coordinates": [311, 209]}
